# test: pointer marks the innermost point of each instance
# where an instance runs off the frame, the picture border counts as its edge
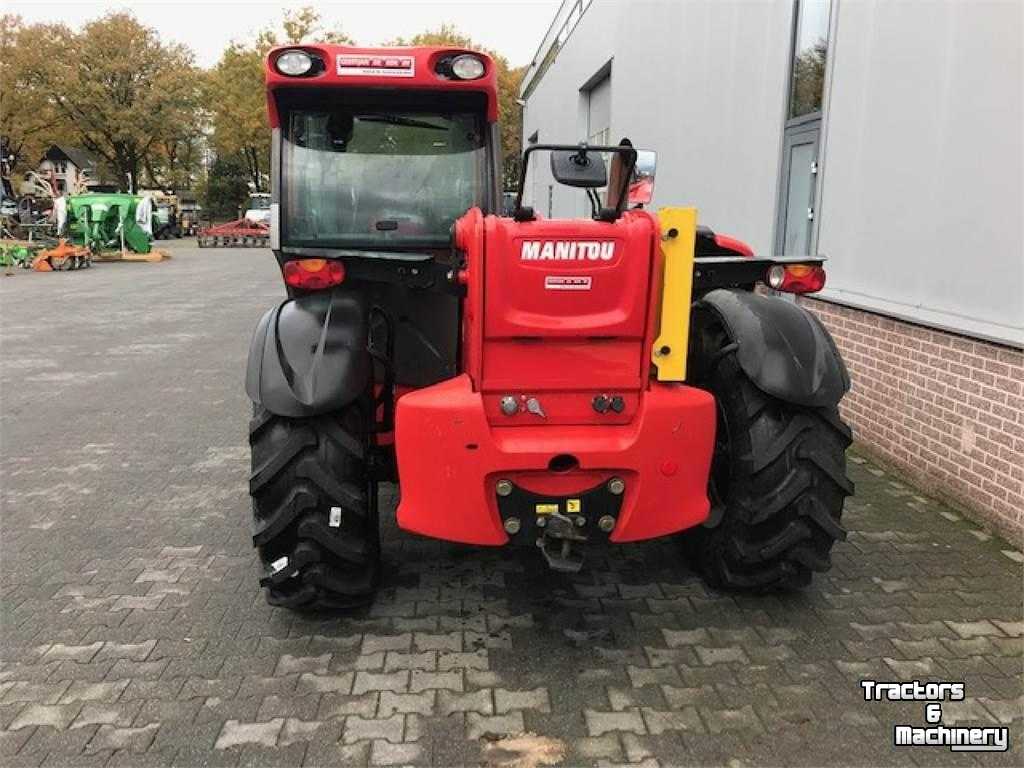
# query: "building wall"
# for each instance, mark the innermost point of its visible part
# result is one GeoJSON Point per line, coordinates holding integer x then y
{"type": "Point", "coordinates": [66, 179]}
{"type": "Point", "coordinates": [557, 112]}
{"type": "Point", "coordinates": [945, 409]}
{"type": "Point", "coordinates": [922, 180]}
{"type": "Point", "coordinates": [703, 83]}
{"type": "Point", "coordinates": [920, 193]}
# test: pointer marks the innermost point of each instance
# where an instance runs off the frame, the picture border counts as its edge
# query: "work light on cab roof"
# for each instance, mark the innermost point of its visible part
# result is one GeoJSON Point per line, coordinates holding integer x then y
{"type": "Point", "coordinates": [294, 63]}
{"type": "Point", "coordinates": [467, 67]}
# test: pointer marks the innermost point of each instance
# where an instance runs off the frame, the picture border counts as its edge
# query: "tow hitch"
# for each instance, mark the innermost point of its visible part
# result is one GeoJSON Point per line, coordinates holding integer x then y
{"type": "Point", "coordinates": [559, 525]}
{"type": "Point", "coordinates": [555, 542]}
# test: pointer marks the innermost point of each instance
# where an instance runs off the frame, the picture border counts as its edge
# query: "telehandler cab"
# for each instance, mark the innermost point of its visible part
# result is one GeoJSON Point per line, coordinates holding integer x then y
{"type": "Point", "coordinates": [550, 382]}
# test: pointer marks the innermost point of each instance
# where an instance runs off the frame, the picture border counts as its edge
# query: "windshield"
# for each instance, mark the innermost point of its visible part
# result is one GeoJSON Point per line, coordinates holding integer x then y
{"type": "Point", "coordinates": [374, 177]}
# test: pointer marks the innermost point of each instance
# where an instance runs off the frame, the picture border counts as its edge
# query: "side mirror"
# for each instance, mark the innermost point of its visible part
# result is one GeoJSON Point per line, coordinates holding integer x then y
{"type": "Point", "coordinates": [641, 185]}
{"type": "Point", "coordinates": [579, 168]}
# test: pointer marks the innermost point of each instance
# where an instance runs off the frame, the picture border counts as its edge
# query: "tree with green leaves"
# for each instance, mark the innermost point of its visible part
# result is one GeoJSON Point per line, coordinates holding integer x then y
{"type": "Point", "coordinates": [225, 189]}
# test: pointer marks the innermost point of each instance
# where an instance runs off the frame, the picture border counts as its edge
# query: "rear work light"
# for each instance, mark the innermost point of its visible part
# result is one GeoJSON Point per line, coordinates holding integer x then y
{"type": "Point", "coordinates": [313, 274]}
{"type": "Point", "coordinates": [796, 278]}
{"type": "Point", "coordinates": [467, 67]}
{"type": "Point", "coordinates": [294, 63]}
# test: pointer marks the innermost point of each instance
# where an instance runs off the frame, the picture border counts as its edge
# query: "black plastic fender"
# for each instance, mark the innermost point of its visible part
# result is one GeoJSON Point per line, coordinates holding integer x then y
{"type": "Point", "coordinates": [309, 355]}
{"type": "Point", "coordinates": [784, 349]}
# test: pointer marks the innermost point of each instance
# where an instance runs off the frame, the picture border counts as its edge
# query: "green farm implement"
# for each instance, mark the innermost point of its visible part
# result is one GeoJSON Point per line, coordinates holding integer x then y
{"type": "Point", "coordinates": [107, 221]}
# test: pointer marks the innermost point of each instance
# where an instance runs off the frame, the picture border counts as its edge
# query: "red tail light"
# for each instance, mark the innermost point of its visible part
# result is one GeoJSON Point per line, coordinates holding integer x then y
{"type": "Point", "coordinates": [313, 274]}
{"type": "Point", "coordinates": [796, 278]}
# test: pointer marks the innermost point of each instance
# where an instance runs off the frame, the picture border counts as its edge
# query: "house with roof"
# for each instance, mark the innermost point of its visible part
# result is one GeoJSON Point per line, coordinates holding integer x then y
{"type": "Point", "coordinates": [70, 167]}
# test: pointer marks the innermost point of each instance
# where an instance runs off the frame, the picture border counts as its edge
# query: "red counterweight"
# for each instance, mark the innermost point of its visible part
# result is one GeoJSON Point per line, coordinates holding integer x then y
{"type": "Point", "coordinates": [556, 396]}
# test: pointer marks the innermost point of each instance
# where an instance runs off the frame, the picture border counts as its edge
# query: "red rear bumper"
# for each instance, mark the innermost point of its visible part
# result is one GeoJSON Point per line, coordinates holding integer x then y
{"type": "Point", "coordinates": [449, 459]}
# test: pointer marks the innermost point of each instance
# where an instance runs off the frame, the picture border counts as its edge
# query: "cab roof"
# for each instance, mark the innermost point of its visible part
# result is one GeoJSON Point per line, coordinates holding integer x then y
{"type": "Point", "coordinates": [414, 68]}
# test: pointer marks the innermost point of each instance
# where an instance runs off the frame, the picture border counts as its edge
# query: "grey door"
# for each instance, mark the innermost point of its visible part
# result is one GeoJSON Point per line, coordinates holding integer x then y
{"type": "Point", "coordinates": [796, 208]}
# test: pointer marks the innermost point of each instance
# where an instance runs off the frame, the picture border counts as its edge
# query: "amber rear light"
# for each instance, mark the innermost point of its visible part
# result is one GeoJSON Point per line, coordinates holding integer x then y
{"type": "Point", "coordinates": [313, 274]}
{"type": "Point", "coordinates": [796, 278]}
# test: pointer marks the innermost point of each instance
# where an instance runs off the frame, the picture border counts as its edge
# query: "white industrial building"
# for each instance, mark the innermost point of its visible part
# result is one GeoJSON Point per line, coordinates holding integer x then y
{"type": "Point", "coordinates": [886, 135]}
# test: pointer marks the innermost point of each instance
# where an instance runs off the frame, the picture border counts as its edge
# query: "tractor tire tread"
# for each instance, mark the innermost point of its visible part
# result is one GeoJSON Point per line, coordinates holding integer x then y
{"type": "Point", "coordinates": [302, 468]}
{"type": "Point", "coordinates": [260, 418]}
{"type": "Point", "coordinates": [269, 469]}
{"type": "Point", "coordinates": [345, 494]}
{"type": "Point", "coordinates": [298, 501]}
{"type": "Point", "coordinates": [787, 484]}
{"type": "Point", "coordinates": [354, 552]}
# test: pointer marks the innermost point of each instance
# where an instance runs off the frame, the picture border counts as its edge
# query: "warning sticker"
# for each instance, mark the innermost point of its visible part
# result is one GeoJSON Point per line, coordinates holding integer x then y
{"type": "Point", "coordinates": [573, 506]}
{"type": "Point", "coordinates": [546, 509]}
{"type": "Point", "coordinates": [376, 66]}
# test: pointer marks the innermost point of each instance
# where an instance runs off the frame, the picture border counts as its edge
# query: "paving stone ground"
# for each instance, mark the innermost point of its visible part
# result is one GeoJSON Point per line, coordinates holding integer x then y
{"type": "Point", "coordinates": [133, 632]}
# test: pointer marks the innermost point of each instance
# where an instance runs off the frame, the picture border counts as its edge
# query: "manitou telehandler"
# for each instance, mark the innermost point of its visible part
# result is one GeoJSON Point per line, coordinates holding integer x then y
{"type": "Point", "coordinates": [552, 382]}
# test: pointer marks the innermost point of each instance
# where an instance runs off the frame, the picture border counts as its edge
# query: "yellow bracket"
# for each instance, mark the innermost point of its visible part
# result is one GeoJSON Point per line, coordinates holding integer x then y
{"type": "Point", "coordinates": [678, 237]}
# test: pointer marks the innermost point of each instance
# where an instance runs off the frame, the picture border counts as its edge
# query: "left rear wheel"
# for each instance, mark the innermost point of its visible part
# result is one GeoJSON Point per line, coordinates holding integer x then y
{"type": "Point", "coordinates": [314, 509]}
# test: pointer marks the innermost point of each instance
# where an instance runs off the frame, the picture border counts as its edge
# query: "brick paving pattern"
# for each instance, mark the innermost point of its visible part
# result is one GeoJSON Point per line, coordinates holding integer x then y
{"type": "Point", "coordinates": [133, 632]}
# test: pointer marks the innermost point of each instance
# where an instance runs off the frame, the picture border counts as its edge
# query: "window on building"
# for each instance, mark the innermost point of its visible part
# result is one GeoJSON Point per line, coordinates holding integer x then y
{"type": "Point", "coordinates": [795, 218]}
{"type": "Point", "coordinates": [62, 166]}
{"type": "Point", "coordinates": [810, 50]}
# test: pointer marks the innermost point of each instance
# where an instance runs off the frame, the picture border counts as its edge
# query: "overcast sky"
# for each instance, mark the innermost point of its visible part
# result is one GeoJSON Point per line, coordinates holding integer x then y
{"type": "Point", "coordinates": [514, 29]}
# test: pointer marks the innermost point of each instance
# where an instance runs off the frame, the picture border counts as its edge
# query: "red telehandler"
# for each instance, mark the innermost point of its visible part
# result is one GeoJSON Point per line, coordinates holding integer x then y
{"type": "Point", "coordinates": [557, 383]}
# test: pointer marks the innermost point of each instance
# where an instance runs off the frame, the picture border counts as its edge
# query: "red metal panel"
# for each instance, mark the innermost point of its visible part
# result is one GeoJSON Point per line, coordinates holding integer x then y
{"type": "Point", "coordinates": [532, 267]}
{"type": "Point", "coordinates": [405, 68]}
{"type": "Point", "coordinates": [568, 407]}
{"type": "Point", "coordinates": [469, 238]}
{"type": "Point", "coordinates": [562, 364]}
{"type": "Point", "coordinates": [664, 455]}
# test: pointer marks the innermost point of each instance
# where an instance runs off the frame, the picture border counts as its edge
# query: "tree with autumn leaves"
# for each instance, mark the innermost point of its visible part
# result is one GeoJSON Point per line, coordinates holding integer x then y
{"type": "Point", "coordinates": [510, 114]}
{"type": "Point", "coordinates": [151, 115]}
{"type": "Point", "coordinates": [113, 88]}
{"type": "Point", "coordinates": [237, 98]}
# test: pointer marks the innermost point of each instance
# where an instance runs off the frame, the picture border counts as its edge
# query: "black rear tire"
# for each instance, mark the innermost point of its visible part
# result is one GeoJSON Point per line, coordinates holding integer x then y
{"type": "Point", "coordinates": [778, 481]}
{"type": "Point", "coordinates": [301, 470]}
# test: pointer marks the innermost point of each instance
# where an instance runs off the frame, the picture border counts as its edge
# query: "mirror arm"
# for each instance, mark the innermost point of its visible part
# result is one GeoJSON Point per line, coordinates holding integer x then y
{"type": "Point", "coordinates": [518, 210]}
{"type": "Point", "coordinates": [628, 154]}
{"type": "Point", "coordinates": [521, 214]}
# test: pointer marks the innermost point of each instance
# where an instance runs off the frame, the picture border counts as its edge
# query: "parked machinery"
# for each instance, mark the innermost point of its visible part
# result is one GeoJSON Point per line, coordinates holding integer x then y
{"type": "Point", "coordinates": [103, 221]}
{"type": "Point", "coordinates": [557, 383]}
{"type": "Point", "coordinates": [250, 231]}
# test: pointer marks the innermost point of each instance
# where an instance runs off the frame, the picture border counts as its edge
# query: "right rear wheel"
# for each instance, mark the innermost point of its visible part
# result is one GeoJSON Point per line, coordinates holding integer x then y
{"type": "Point", "coordinates": [314, 509]}
{"type": "Point", "coordinates": [778, 481]}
